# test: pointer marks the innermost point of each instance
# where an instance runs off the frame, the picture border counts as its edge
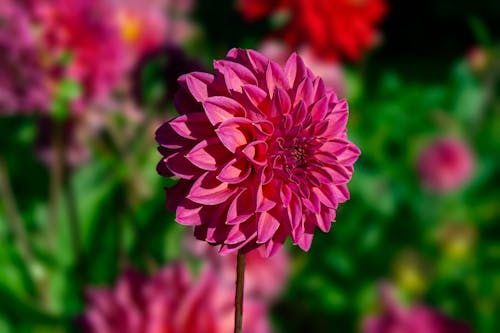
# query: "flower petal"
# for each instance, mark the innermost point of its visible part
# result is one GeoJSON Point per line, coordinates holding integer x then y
{"type": "Point", "coordinates": [235, 171]}
{"type": "Point", "coordinates": [207, 190]}
{"type": "Point", "coordinates": [221, 108]}
{"type": "Point", "coordinates": [235, 133]}
{"type": "Point", "coordinates": [193, 126]}
{"type": "Point", "coordinates": [267, 226]}
{"type": "Point", "coordinates": [208, 154]}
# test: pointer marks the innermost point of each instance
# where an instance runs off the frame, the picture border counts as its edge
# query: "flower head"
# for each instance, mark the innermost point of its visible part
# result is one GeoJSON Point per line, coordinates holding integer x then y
{"type": "Point", "coordinates": [333, 28]}
{"type": "Point", "coordinates": [445, 165]}
{"type": "Point", "coordinates": [22, 81]}
{"type": "Point", "coordinates": [396, 318]}
{"type": "Point", "coordinates": [262, 153]}
{"type": "Point", "coordinates": [170, 302]}
{"type": "Point", "coordinates": [83, 44]}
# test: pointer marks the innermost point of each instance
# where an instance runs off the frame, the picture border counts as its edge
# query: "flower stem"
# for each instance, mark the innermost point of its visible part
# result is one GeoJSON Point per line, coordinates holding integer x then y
{"type": "Point", "coordinates": [56, 179]}
{"type": "Point", "coordinates": [240, 283]}
{"type": "Point", "coordinates": [74, 227]}
{"type": "Point", "coordinates": [13, 217]}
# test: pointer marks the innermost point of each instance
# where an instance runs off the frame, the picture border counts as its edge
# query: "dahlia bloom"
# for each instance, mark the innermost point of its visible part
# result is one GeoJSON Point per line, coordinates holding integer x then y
{"type": "Point", "coordinates": [82, 30]}
{"type": "Point", "coordinates": [396, 318]}
{"type": "Point", "coordinates": [330, 71]}
{"type": "Point", "coordinates": [445, 165]}
{"type": "Point", "coordinates": [170, 302]}
{"type": "Point", "coordinates": [22, 82]}
{"type": "Point", "coordinates": [274, 271]}
{"type": "Point", "coordinates": [261, 152]}
{"type": "Point", "coordinates": [333, 28]}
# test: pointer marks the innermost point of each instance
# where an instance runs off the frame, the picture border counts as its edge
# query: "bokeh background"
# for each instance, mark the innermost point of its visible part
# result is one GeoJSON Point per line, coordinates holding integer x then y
{"type": "Point", "coordinates": [85, 83]}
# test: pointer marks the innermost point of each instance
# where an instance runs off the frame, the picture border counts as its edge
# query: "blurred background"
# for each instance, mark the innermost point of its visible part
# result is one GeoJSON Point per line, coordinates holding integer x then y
{"type": "Point", "coordinates": [87, 243]}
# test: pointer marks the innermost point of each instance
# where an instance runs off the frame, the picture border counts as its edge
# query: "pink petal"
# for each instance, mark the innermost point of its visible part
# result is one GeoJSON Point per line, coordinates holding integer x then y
{"type": "Point", "coordinates": [295, 70]}
{"type": "Point", "coordinates": [188, 213]}
{"type": "Point", "coordinates": [207, 190]}
{"type": "Point", "coordinates": [267, 226]}
{"type": "Point", "coordinates": [235, 75]}
{"type": "Point", "coordinates": [280, 104]}
{"type": "Point", "coordinates": [235, 171]}
{"type": "Point", "coordinates": [275, 78]}
{"type": "Point", "coordinates": [256, 152]}
{"type": "Point", "coordinates": [220, 108]}
{"type": "Point", "coordinates": [208, 154]}
{"type": "Point", "coordinates": [197, 84]}
{"type": "Point", "coordinates": [167, 137]}
{"type": "Point", "coordinates": [235, 133]}
{"type": "Point", "coordinates": [241, 208]}
{"type": "Point", "coordinates": [193, 126]}
{"type": "Point", "coordinates": [180, 166]}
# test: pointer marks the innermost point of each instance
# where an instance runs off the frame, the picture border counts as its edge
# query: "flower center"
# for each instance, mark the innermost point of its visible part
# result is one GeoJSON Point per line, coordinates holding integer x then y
{"type": "Point", "coordinates": [289, 155]}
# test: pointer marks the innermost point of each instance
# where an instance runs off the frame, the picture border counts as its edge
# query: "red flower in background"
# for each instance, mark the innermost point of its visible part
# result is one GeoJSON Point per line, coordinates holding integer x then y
{"type": "Point", "coordinates": [334, 29]}
{"type": "Point", "coordinates": [169, 302]}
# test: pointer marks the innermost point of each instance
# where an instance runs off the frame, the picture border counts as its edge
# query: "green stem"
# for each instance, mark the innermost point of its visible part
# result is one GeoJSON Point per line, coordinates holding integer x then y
{"type": "Point", "coordinates": [240, 286]}
{"type": "Point", "coordinates": [56, 179]}
{"type": "Point", "coordinates": [13, 217]}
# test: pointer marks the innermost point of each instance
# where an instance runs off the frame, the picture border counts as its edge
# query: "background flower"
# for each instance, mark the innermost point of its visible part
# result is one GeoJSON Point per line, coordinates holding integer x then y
{"type": "Point", "coordinates": [82, 44]}
{"type": "Point", "coordinates": [334, 29]}
{"type": "Point", "coordinates": [396, 318]}
{"type": "Point", "coordinates": [22, 82]}
{"type": "Point", "coordinates": [170, 301]}
{"type": "Point", "coordinates": [445, 164]}
{"type": "Point", "coordinates": [262, 153]}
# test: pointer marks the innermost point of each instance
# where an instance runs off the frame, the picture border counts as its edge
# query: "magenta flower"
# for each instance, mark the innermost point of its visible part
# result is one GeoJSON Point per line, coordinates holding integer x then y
{"type": "Point", "coordinates": [169, 302]}
{"type": "Point", "coordinates": [22, 79]}
{"type": "Point", "coordinates": [261, 153]}
{"type": "Point", "coordinates": [84, 33]}
{"type": "Point", "coordinates": [417, 319]}
{"type": "Point", "coordinates": [445, 165]}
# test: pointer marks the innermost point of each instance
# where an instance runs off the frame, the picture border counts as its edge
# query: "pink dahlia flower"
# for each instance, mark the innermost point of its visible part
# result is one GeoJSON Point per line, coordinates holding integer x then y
{"type": "Point", "coordinates": [83, 31]}
{"type": "Point", "coordinates": [274, 271]}
{"type": "Point", "coordinates": [445, 165]}
{"type": "Point", "coordinates": [168, 302]}
{"type": "Point", "coordinates": [261, 153]}
{"type": "Point", "coordinates": [417, 319]}
{"type": "Point", "coordinates": [22, 80]}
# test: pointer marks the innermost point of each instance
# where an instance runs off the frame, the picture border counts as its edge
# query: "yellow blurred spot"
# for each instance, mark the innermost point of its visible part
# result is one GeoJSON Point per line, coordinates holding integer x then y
{"type": "Point", "coordinates": [130, 26]}
{"type": "Point", "coordinates": [410, 272]}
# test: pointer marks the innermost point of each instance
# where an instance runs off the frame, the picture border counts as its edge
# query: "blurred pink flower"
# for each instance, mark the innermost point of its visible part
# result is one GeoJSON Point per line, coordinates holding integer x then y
{"type": "Point", "coordinates": [417, 319]}
{"type": "Point", "coordinates": [145, 25]}
{"type": "Point", "coordinates": [334, 29]}
{"type": "Point", "coordinates": [169, 302]}
{"type": "Point", "coordinates": [262, 153]}
{"type": "Point", "coordinates": [83, 44]}
{"type": "Point", "coordinates": [265, 278]}
{"type": "Point", "coordinates": [330, 71]}
{"type": "Point", "coordinates": [446, 164]}
{"type": "Point", "coordinates": [22, 79]}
